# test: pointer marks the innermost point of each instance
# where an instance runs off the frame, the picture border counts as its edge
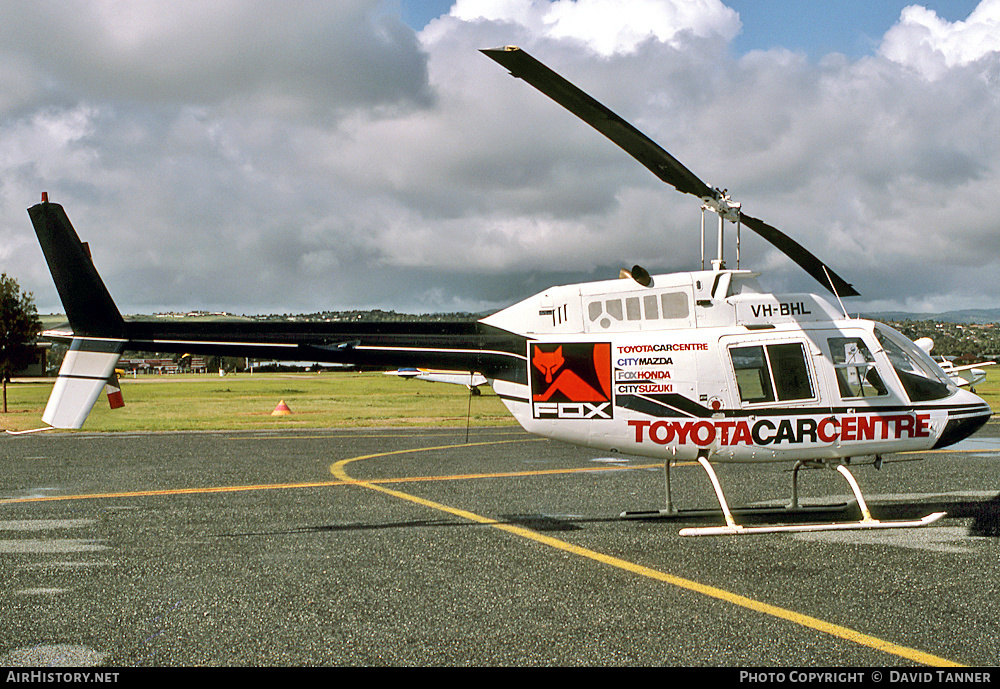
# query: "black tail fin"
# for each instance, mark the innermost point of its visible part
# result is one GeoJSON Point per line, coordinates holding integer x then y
{"type": "Point", "coordinates": [98, 327]}
{"type": "Point", "coordinates": [89, 307]}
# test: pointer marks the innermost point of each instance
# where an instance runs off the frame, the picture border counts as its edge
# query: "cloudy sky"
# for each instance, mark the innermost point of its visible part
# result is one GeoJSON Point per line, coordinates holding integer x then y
{"type": "Point", "coordinates": [262, 157]}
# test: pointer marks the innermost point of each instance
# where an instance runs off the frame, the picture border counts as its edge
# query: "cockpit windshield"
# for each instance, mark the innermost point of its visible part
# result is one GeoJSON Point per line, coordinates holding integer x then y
{"type": "Point", "coordinates": [922, 379]}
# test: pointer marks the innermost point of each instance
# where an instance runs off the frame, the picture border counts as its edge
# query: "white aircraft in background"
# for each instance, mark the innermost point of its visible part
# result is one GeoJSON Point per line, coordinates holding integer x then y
{"type": "Point", "coordinates": [431, 375]}
{"type": "Point", "coordinates": [699, 366]}
{"type": "Point", "coordinates": [969, 375]}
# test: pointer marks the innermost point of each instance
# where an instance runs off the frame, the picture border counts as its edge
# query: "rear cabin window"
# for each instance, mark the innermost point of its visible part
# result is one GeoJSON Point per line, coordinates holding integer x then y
{"type": "Point", "coordinates": [769, 373]}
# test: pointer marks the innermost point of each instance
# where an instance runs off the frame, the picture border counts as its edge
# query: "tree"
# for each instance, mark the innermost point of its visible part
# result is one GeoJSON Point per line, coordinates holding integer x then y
{"type": "Point", "coordinates": [19, 325]}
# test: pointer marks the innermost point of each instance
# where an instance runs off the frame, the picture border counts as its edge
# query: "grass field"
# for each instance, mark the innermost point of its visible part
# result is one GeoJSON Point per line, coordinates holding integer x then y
{"type": "Point", "coordinates": [327, 400]}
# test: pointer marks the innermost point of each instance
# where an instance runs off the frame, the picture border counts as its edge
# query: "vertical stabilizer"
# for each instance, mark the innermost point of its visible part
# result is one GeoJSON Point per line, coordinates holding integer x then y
{"type": "Point", "coordinates": [98, 327]}
{"type": "Point", "coordinates": [89, 306]}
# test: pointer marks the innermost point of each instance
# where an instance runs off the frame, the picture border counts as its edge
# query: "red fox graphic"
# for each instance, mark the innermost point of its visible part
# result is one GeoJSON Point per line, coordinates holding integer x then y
{"type": "Point", "coordinates": [569, 383]}
{"type": "Point", "coordinates": [548, 362]}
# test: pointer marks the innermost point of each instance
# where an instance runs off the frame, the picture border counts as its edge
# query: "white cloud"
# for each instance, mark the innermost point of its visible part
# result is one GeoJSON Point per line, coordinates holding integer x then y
{"type": "Point", "coordinates": [608, 28]}
{"type": "Point", "coordinates": [931, 45]}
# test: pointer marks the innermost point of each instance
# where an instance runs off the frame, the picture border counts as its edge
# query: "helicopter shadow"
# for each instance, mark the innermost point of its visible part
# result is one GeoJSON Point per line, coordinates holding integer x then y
{"type": "Point", "coordinates": [985, 516]}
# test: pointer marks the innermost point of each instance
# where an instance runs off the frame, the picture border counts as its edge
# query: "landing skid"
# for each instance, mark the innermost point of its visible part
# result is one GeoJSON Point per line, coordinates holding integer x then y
{"type": "Point", "coordinates": [755, 511]}
{"type": "Point", "coordinates": [736, 529]}
{"type": "Point", "coordinates": [30, 430]}
{"type": "Point", "coordinates": [732, 528]}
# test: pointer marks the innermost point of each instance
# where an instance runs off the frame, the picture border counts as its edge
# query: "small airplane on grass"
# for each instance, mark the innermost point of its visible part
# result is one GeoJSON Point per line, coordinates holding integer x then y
{"type": "Point", "coordinates": [969, 375]}
{"type": "Point", "coordinates": [470, 380]}
{"type": "Point", "coordinates": [699, 366]}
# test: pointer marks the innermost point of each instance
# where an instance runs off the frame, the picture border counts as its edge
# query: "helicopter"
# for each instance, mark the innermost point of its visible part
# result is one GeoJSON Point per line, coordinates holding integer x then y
{"type": "Point", "coordinates": [702, 366]}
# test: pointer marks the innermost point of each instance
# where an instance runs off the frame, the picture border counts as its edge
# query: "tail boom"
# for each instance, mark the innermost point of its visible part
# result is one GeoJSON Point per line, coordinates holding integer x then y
{"type": "Point", "coordinates": [100, 335]}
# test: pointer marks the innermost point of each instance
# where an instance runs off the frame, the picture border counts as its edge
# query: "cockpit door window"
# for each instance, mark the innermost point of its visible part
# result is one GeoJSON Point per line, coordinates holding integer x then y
{"type": "Point", "coordinates": [855, 368]}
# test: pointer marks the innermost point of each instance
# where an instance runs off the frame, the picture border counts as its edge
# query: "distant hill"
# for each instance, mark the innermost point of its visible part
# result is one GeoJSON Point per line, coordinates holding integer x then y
{"type": "Point", "coordinates": [962, 316]}
{"type": "Point", "coordinates": [52, 320]}
{"type": "Point", "coordinates": [977, 316]}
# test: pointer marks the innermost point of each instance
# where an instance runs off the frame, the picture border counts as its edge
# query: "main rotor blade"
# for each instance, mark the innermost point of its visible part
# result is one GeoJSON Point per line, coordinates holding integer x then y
{"type": "Point", "coordinates": [634, 142]}
{"type": "Point", "coordinates": [802, 256]}
{"type": "Point", "coordinates": [653, 157]}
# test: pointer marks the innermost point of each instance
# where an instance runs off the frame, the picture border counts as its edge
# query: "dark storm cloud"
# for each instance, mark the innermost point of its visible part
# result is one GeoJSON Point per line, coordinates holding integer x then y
{"type": "Point", "coordinates": [265, 157]}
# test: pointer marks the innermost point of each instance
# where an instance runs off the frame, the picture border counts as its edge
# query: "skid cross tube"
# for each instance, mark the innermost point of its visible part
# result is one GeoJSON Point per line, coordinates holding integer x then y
{"type": "Point", "coordinates": [671, 511]}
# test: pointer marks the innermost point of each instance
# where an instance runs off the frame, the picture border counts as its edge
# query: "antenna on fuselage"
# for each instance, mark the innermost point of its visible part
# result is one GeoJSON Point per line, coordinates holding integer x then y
{"type": "Point", "coordinates": [833, 288]}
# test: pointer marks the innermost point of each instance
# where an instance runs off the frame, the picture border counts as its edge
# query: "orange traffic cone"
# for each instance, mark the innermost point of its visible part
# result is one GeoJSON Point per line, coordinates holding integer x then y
{"type": "Point", "coordinates": [281, 410]}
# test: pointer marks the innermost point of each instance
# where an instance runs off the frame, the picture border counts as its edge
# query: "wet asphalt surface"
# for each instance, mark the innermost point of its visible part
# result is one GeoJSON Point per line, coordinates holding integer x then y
{"type": "Point", "coordinates": [250, 549]}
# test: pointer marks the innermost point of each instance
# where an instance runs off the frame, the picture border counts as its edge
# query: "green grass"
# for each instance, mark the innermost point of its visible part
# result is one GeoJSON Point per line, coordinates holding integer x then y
{"type": "Point", "coordinates": [327, 400]}
{"type": "Point", "coordinates": [989, 389]}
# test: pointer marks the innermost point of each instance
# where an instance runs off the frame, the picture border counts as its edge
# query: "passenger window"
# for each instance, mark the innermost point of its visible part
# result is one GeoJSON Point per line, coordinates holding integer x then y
{"type": "Point", "coordinates": [675, 305]}
{"type": "Point", "coordinates": [651, 306]}
{"type": "Point", "coordinates": [791, 376]}
{"type": "Point", "coordinates": [614, 308]}
{"type": "Point", "coordinates": [632, 309]}
{"type": "Point", "coordinates": [855, 368]}
{"type": "Point", "coordinates": [773, 372]}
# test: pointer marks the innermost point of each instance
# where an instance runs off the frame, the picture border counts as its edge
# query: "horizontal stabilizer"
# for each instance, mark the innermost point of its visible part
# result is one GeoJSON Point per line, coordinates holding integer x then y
{"type": "Point", "coordinates": [88, 367]}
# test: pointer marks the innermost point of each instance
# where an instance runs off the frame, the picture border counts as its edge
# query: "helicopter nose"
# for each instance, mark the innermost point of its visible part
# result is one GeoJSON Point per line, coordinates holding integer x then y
{"type": "Point", "coordinates": [967, 414]}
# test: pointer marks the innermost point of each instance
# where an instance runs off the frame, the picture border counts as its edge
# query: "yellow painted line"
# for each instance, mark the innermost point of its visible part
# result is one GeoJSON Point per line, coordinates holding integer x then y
{"type": "Point", "coordinates": [504, 474]}
{"type": "Point", "coordinates": [502, 431]}
{"type": "Point", "coordinates": [985, 450]}
{"type": "Point", "coordinates": [319, 484]}
{"type": "Point", "coordinates": [339, 471]}
{"type": "Point", "coordinates": [169, 491]}
{"type": "Point", "coordinates": [343, 479]}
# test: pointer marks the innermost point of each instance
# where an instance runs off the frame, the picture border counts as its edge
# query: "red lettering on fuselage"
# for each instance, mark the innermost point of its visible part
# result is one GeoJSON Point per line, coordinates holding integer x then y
{"type": "Point", "coordinates": [785, 431]}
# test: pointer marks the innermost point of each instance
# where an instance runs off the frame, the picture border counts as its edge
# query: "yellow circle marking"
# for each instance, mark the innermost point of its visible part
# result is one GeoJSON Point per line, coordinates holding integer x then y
{"type": "Point", "coordinates": [338, 470]}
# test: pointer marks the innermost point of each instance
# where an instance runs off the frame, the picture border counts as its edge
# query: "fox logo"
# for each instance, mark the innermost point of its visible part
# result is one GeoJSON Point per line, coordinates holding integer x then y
{"type": "Point", "coordinates": [571, 380]}
{"type": "Point", "coordinates": [548, 362]}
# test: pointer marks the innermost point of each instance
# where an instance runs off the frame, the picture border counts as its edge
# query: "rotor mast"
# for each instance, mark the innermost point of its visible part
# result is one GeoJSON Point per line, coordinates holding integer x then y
{"type": "Point", "coordinates": [727, 209]}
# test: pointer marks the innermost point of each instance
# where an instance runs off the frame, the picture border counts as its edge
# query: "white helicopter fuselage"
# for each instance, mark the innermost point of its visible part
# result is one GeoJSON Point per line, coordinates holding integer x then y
{"type": "Point", "coordinates": [706, 363]}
